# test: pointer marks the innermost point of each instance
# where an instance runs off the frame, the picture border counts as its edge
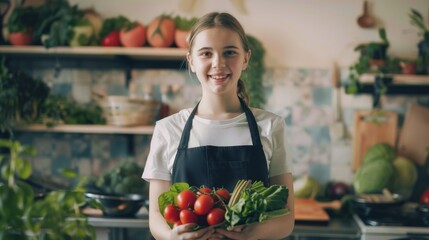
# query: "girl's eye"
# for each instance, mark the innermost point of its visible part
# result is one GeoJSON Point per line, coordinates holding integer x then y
{"type": "Point", "coordinates": [230, 53]}
{"type": "Point", "coordinates": [205, 54]}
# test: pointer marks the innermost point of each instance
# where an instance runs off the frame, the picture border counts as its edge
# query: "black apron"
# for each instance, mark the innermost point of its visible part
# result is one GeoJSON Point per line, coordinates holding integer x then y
{"type": "Point", "coordinates": [220, 166]}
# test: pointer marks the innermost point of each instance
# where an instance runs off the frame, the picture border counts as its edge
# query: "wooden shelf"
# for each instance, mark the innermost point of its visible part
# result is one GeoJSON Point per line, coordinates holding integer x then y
{"type": "Point", "coordinates": [398, 79]}
{"type": "Point", "coordinates": [138, 52]}
{"type": "Point", "coordinates": [91, 129]}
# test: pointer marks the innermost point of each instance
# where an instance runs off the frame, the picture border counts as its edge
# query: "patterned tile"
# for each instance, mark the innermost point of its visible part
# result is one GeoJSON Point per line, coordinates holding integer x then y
{"type": "Point", "coordinates": [320, 171]}
{"type": "Point", "coordinates": [322, 96]}
{"type": "Point", "coordinates": [303, 97]}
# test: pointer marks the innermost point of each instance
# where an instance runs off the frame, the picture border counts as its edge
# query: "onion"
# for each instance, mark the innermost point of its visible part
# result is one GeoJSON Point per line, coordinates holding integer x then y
{"type": "Point", "coordinates": [337, 190]}
{"type": "Point", "coordinates": [95, 19]}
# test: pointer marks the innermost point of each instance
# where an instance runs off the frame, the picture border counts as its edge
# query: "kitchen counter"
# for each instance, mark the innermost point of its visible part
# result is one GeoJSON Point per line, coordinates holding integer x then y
{"type": "Point", "coordinates": [339, 227]}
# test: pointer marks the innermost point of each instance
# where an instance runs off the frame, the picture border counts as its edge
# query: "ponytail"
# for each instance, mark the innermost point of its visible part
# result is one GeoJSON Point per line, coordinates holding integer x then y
{"type": "Point", "coordinates": [241, 91]}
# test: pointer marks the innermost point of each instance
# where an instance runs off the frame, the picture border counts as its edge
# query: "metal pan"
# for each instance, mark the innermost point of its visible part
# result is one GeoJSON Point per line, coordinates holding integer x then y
{"type": "Point", "coordinates": [378, 200]}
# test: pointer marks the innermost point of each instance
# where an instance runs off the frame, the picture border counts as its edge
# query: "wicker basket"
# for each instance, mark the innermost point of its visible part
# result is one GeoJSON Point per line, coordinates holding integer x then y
{"type": "Point", "coordinates": [126, 111]}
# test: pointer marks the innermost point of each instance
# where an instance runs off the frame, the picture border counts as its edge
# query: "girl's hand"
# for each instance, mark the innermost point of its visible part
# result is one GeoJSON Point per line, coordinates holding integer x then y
{"type": "Point", "coordinates": [242, 232]}
{"type": "Point", "coordinates": [185, 231]}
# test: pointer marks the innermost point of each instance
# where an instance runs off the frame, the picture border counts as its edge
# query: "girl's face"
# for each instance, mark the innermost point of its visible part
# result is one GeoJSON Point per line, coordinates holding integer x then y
{"type": "Point", "coordinates": [218, 58]}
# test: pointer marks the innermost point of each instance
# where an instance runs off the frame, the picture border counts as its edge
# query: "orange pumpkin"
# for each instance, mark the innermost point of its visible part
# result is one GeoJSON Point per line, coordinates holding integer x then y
{"type": "Point", "coordinates": [161, 31]}
{"type": "Point", "coordinates": [134, 37]}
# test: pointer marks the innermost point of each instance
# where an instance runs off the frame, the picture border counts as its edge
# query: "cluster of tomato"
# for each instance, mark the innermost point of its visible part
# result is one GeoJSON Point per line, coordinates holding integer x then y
{"type": "Point", "coordinates": [203, 206]}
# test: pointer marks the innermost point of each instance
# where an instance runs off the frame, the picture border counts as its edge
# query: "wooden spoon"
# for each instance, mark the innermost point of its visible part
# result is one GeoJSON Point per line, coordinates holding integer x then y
{"type": "Point", "coordinates": [365, 20]}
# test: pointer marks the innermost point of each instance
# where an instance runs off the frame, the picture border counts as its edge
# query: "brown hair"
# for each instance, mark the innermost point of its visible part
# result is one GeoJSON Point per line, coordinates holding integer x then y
{"type": "Point", "coordinates": [226, 20]}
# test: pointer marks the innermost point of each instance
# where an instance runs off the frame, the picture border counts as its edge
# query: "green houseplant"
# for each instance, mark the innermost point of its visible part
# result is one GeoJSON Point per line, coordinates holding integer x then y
{"type": "Point", "coordinates": [373, 58]}
{"type": "Point", "coordinates": [21, 97]}
{"type": "Point", "coordinates": [56, 216]}
{"type": "Point", "coordinates": [253, 75]}
{"type": "Point", "coordinates": [417, 20]}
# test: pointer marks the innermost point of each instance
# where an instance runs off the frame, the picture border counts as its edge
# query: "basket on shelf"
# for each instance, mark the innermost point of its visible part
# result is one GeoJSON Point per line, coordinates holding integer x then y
{"type": "Point", "coordinates": [127, 111]}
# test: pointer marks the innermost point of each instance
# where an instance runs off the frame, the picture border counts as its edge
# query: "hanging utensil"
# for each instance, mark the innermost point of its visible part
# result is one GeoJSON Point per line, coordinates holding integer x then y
{"type": "Point", "coordinates": [366, 20]}
{"type": "Point", "coordinates": [337, 129]}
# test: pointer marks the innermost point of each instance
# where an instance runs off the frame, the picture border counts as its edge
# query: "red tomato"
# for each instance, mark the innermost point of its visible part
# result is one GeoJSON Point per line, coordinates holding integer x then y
{"type": "Point", "coordinates": [204, 190]}
{"type": "Point", "coordinates": [111, 40]}
{"type": "Point", "coordinates": [203, 204]}
{"type": "Point", "coordinates": [186, 199]}
{"type": "Point", "coordinates": [215, 216]}
{"type": "Point", "coordinates": [160, 32]}
{"type": "Point", "coordinates": [135, 37]}
{"type": "Point", "coordinates": [224, 194]}
{"type": "Point", "coordinates": [171, 213]}
{"type": "Point", "coordinates": [424, 198]}
{"type": "Point", "coordinates": [187, 216]}
{"type": "Point", "coordinates": [178, 223]}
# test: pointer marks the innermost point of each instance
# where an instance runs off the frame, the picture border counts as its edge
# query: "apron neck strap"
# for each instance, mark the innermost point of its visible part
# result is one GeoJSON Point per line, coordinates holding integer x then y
{"type": "Point", "coordinates": [251, 121]}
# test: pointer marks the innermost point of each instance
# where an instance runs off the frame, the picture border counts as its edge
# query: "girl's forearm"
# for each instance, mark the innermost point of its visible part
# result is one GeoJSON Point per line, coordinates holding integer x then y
{"type": "Point", "coordinates": [158, 227]}
{"type": "Point", "coordinates": [276, 228]}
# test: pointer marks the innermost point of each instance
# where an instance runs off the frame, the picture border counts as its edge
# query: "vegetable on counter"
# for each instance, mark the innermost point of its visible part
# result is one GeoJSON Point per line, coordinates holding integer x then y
{"type": "Point", "coordinates": [383, 168]}
{"type": "Point", "coordinates": [424, 198]}
{"type": "Point", "coordinates": [306, 187]}
{"type": "Point", "coordinates": [124, 178]}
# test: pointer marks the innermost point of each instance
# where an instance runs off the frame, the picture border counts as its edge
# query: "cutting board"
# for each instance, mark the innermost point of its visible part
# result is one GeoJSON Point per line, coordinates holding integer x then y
{"type": "Point", "coordinates": [414, 137]}
{"type": "Point", "coordinates": [371, 127]}
{"type": "Point", "coordinates": [307, 209]}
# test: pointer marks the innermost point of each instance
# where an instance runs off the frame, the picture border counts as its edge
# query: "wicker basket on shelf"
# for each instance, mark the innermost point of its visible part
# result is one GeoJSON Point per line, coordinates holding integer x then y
{"type": "Point", "coordinates": [126, 111]}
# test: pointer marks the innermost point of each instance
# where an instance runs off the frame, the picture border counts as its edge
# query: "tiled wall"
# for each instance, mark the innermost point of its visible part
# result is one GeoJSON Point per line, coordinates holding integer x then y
{"type": "Point", "coordinates": [302, 96]}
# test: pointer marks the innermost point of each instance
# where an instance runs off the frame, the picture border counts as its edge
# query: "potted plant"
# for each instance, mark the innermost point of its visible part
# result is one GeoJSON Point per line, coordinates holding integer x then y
{"type": "Point", "coordinates": [21, 25]}
{"type": "Point", "coordinates": [183, 26]}
{"type": "Point", "coordinates": [417, 20]}
{"type": "Point", "coordinates": [408, 66]}
{"type": "Point", "coordinates": [57, 215]}
{"type": "Point", "coordinates": [373, 59]}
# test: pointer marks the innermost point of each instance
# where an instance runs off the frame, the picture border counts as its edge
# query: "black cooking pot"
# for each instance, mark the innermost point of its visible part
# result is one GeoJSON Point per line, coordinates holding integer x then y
{"type": "Point", "coordinates": [378, 201]}
{"type": "Point", "coordinates": [125, 205]}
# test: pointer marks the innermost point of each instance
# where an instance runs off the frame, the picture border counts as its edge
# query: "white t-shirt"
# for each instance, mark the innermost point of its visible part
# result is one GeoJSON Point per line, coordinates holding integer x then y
{"type": "Point", "coordinates": [230, 132]}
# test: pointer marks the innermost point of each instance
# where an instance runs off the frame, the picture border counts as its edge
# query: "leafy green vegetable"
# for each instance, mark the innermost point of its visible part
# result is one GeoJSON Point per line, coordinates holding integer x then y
{"type": "Point", "coordinates": [373, 176]}
{"type": "Point", "coordinates": [257, 203]}
{"type": "Point", "coordinates": [124, 178]}
{"type": "Point", "coordinates": [113, 24]}
{"type": "Point", "coordinates": [169, 197]}
{"type": "Point", "coordinates": [59, 109]}
{"type": "Point", "coordinates": [183, 23]}
{"type": "Point", "coordinates": [380, 151]}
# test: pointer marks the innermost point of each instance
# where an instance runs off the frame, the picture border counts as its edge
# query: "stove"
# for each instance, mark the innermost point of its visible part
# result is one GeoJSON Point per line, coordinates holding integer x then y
{"type": "Point", "coordinates": [407, 221]}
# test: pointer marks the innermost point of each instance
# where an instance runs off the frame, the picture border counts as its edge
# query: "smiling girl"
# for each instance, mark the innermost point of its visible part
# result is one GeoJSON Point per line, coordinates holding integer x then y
{"type": "Point", "coordinates": [221, 140]}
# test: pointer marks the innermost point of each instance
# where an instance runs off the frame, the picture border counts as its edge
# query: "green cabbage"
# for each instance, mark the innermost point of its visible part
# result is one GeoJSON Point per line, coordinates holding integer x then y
{"type": "Point", "coordinates": [306, 187]}
{"type": "Point", "coordinates": [373, 176]}
{"type": "Point", "coordinates": [406, 176]}
{"type": "Point", "coordinates": [379, 151]}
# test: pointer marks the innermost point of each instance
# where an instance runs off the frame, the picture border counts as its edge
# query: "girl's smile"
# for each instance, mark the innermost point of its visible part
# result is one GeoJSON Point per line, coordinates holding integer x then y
{"type": "Point", "coordinates": [218, 58]}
